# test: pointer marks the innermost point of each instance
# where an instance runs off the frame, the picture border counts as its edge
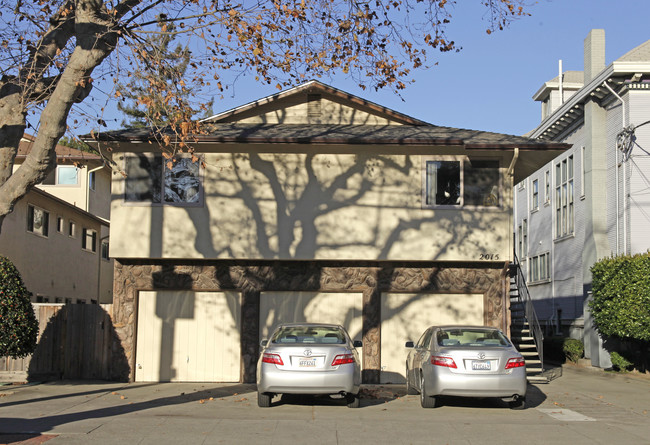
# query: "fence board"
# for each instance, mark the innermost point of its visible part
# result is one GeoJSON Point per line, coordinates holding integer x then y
{"type": "Point", "coordinates": [75, 341]}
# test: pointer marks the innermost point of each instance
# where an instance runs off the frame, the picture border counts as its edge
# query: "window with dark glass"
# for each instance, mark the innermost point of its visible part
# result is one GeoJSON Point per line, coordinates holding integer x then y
{"type": "Point", "coordinates": [469, 182]}
{"type": "Point", "coordinates": [174, 181]}
{"type": "Point", "coordinates": [89, 240]}
{"type": "Point", "coordinates": [38, 220]}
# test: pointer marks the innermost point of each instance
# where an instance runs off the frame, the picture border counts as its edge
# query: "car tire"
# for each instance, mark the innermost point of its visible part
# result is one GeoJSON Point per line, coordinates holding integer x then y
{"type": "Point", "coordinates": [354, 401]}
{"type": "Point", "coordinates": [409, 389]}
{"type": "Point", "coordinates": [518, 404]}
{"type": "Point", "coordinates": [264, 399]}
{"type": "Point", "coordinates": [426, 401]}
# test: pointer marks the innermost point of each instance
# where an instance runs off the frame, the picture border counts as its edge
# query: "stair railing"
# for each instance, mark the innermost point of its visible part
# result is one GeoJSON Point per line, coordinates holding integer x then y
{"type": "Point", "coordinates": [529, 310]}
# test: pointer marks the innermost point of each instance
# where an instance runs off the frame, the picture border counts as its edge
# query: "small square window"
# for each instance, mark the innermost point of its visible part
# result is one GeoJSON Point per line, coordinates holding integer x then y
{"type": "Point", "coordinates": [67, 175]}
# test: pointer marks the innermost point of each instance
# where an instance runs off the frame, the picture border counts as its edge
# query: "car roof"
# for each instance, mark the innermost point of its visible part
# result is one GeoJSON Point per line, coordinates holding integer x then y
{"type": "Point", "coordinates": [463, 326]}
{"type": "Point", "coordinates": [328, 325]}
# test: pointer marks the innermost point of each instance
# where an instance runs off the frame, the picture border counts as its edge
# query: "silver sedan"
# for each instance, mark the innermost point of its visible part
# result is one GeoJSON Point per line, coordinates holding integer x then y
{"type": "Point", "coordinates": [466, 361]}
{"type": "Point", "coordinates": [309, 358]}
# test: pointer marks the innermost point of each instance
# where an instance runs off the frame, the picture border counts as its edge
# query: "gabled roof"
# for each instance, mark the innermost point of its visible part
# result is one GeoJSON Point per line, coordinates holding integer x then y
{"type": "Point", "coordinates": [314, 87]}
{"type": "Point", "coordinates": [383, 127]}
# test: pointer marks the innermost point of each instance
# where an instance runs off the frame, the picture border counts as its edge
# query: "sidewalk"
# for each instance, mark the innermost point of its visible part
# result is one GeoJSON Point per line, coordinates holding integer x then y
{"type": "Point", "coordinates": [581, 407]}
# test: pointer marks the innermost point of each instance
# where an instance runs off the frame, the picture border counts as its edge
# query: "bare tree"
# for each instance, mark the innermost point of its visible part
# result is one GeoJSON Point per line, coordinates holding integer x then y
{"type": "Point", "coordinates": [54, 50]}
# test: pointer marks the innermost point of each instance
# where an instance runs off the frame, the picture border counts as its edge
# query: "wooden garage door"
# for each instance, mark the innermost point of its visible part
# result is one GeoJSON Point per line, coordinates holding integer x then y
{"type": "Point", "coordinates": [405, 317]}
{"type": "Point", "coordinates": [317, 307]}
{"type": "Point", "coordinates": [186, 336]}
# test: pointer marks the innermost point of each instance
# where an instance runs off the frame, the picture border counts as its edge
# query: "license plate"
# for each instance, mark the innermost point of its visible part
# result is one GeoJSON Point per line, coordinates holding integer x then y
{"type": "Point", "coordinates": [481, 365]}
{"type": "Point", "coordinates": [307, 363]}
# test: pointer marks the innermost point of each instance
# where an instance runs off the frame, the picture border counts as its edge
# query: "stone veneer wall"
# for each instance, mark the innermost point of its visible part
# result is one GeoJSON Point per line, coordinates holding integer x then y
{"type": "Point", "coordinates": [252, 277]}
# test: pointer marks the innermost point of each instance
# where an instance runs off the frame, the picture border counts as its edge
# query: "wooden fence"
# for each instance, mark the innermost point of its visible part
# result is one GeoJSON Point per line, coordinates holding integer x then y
{"type": "Point", "coordinates": [75, 341]}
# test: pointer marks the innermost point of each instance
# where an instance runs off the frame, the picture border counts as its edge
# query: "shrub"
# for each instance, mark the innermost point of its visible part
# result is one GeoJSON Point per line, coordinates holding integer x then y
{"type": "Point", "coordinates": [573, 349]}
{"type": "Point", "coordinates": [621, 297]}
{"type": "Point", "coordinates": [18, 325]}
{"type": "Point", "coordinates": [619, 362]}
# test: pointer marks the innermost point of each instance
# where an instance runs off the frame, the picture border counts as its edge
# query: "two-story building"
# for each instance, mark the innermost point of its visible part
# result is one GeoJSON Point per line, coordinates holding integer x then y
{"type": "Point", "coordinates": [309, 205]}
{"type": "Point", "coordinates": [592, 201]}
{"type": "Point", "coordinates": [58, 234]}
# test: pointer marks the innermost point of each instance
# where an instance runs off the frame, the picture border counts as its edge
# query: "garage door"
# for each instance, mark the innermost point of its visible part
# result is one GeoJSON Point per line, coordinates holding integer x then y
{"type": "Point", "coordinates": [316, 307]}
{"type": "Point", "coordinates": [405, 317]}
{"type": "Point", "coordinates": [186, 336]}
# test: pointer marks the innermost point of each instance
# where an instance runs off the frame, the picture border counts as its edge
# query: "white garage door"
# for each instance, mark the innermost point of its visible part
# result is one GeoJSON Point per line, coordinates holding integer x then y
{"type": "Point", "coordinates": [314, 307]}
{"type": "Point", "coordinates": [186, 336]}
{"type": "Point", "coordinates": [405, 317]}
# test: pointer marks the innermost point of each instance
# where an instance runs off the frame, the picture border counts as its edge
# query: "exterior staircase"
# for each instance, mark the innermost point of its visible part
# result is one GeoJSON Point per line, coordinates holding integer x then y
{"type": "Point", "coordinates": [525, 331]}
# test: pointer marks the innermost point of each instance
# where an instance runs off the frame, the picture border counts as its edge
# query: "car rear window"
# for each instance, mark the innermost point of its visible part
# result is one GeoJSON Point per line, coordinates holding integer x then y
{"type": "Point", "coordinates": [471, 337]}
{"type": "Point", "coordinates": [309, 334]}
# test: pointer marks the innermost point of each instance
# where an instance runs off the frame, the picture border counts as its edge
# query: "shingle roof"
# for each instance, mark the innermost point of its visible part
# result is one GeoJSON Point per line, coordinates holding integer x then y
{"type": "Point", "coordinates": [345, 134]}
{"type": "Point", "coordinates": [63, 153]}
{"type": "Point", "coordinates": [639, 54]}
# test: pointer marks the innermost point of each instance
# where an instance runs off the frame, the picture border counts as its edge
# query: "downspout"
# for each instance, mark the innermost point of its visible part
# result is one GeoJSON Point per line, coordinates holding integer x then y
{"type": "Point", "coordinates": [511, 174]}
{"type": "Point", "coordinates": [606, 85]}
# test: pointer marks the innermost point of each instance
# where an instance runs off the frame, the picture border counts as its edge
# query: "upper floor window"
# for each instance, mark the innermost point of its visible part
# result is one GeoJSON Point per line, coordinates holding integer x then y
{"type": "Point", "coordinates": [457, 183]}
{"type": "Point", "coordinates": [564, 211]}
{"type": "Point", "coordinates": [104, 251]}
{"type": "Point", "coordinates": [38, 220]}
{"type": "Point", "coordinates": [91, 181]}
{"type": "Point", "coordinates": [539, 268]}
{"type": "Point", "coordinates": [148, 179]}
{"type": "Point", "coordinates": [89, 240]}
{"type": "Point", "coordinates": [535, 195]}
{"type": "Point", "coordinates": [63, 175]}
{"type": "Point", "coordinates": [72, 229]}
{"type": "Point", "coordinates": [59, 224]}
{"type": "Point", "coordinates": [547, 186]}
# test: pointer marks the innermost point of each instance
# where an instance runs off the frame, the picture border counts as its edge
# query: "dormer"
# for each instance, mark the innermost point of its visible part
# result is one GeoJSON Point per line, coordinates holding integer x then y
{"type": "Point", "coordinates": [558, 90]}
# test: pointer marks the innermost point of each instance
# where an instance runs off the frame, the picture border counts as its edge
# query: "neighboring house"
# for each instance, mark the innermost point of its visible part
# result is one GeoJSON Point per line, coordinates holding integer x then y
{"type": "Point", "coordinates": [58, 234]}
{"type": "Point", "coordinates": [309, 205]}
{"type": "Point", "coordinates": [592, 201]}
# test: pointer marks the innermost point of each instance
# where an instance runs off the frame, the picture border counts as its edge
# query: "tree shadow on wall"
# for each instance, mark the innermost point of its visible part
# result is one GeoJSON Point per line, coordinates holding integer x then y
{"type": "Point", "coordinates": [79, 342]}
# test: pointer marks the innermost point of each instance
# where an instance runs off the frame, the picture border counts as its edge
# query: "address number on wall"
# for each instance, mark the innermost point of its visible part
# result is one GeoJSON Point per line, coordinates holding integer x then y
{"type": "Point", "coordinates": [489, 256]}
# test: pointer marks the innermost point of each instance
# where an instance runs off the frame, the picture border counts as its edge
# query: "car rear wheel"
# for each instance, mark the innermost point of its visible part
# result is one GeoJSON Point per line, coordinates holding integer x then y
{"type": "Point", "coordinates": [353, 400]}
{"type": "Point", "coordinates": [520, 403]}
{"type": "Point", "coordinates": [409, 389]}
{"type": "Point", "coordinates": [263, 400]}
{"type": "Point", "coordinates": [426, 401]}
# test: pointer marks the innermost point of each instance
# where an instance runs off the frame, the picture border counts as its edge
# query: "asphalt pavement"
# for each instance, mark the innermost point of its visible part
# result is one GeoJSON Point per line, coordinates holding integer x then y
{"type": "Point", "coordinates": [583, 406]}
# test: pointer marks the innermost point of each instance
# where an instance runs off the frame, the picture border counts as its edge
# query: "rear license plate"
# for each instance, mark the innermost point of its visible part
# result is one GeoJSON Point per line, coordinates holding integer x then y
{"type": "Point", "coordinates": [481, 365]}
{"type": "Point", "coordinates": [307, 363]}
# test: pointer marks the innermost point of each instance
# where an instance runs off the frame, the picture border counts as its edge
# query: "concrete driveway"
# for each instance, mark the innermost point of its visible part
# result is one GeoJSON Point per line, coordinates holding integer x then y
{"type": "Point", "coordinates": [583, 406]}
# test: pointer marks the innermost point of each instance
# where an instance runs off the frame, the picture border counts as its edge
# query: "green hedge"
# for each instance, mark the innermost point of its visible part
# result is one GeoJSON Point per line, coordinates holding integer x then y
{"type": "Point", "coordinates": [18, 325]}
{"type": "Point", "coordinates": [621, 297]}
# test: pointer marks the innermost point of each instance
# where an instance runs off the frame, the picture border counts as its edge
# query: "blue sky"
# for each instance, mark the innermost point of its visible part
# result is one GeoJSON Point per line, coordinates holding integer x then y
{"type": "Point", "coordinates": [490, 83]}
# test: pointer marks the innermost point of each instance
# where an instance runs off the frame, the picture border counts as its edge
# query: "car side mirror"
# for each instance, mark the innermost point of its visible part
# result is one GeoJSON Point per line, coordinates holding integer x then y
{"type": "Point", "coordinates": [409, 344]}
{"type": "Point", "coordinates": [357, 343]}
{"type": "Point", "coordinates": [263, 343]}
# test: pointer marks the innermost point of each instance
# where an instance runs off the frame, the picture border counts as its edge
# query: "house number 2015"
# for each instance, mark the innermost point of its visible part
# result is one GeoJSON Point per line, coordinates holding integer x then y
{"type": "Point", "coordinates": [489, 256]}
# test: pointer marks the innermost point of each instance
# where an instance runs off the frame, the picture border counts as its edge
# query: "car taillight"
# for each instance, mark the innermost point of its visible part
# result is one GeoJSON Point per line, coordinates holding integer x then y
{"type": "Point", "coordinates": [515, 362]}
{"type": "Point", "coordinates": [272, 358]}
{"type": "Point", "coordinates": [343, 359]}
{"type": "Point", "coordinates": [439, 360]}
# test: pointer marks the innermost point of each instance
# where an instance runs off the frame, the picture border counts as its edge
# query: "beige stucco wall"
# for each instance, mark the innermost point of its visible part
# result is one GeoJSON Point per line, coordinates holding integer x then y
{"type": "Point", "coordinates": [56, 266]}
{"type": "Point", "coordinates": [327, 110]}
{"type": "Point", "coordinates": [310, 206]}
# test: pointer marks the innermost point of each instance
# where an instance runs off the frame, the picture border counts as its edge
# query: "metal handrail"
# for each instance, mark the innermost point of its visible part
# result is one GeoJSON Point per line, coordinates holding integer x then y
{"type": "Point", "coordinates": [529, 310]}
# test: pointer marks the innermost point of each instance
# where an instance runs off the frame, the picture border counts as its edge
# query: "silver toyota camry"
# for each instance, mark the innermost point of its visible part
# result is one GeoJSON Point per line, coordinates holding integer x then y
{"type": "Point", "coordinates": [309, 358]}
{"type": "Point", "coordinates": [466, 361]}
